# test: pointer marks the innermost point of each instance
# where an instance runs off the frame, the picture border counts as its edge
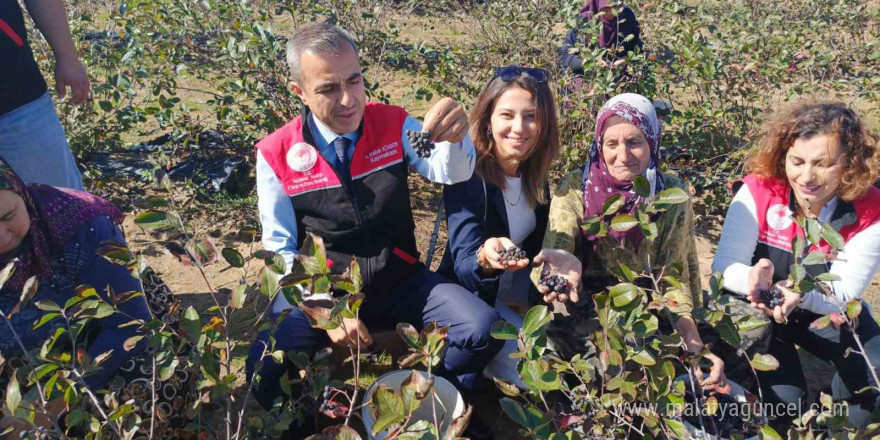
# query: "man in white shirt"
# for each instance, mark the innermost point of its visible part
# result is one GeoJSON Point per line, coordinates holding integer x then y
{"type": "Point", "coordinates": [339, 170]}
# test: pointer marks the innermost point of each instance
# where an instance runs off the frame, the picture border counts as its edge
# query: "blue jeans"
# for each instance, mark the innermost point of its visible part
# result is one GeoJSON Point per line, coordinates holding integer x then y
{"type": "Point", "coordinates": [422, 298]}
{"type": "Point", "coordinates": [33, 142]}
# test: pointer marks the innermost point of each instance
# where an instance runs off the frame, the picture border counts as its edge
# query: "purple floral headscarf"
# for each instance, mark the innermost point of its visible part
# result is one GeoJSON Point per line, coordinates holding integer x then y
{"type": "Point", "coordinates": [599, 184]}
{"type": "Point", "coordinates": [56, 215]}
{"type": "Point", "coordinates": [608, 34]}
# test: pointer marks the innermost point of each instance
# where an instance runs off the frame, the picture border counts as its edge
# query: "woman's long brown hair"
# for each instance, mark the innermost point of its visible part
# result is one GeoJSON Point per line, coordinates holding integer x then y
{"type": "Point", "coordinates": [535, 167]}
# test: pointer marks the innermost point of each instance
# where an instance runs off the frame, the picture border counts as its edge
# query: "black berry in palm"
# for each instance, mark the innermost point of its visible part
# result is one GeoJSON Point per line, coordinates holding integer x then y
{"type": "Point", "coordinates": [556, 283]}
{"type": "Point", "coordinates": [510, 255]}
{"type": "Point", "coordinates": [420, 142]}
{"type": "Point", "coordinates": [771, 298]}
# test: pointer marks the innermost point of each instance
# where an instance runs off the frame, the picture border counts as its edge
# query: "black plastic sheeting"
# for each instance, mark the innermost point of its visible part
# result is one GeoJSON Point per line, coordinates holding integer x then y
{"type": "Point", "coordinates": [213, 165]}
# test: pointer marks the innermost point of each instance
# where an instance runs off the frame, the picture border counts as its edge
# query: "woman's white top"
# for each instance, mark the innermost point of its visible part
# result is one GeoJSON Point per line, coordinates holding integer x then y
{"type": "Point", "coordinates": [856, 264]}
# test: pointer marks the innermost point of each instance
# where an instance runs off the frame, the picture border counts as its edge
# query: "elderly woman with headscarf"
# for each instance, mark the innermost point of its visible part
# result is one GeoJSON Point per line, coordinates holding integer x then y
{"type": "Point", "coordinates": [619, 33]}
{"type": "Point", "coordinates": [627, 143]}
{"type": "Point", "coordinates": [52, 235]}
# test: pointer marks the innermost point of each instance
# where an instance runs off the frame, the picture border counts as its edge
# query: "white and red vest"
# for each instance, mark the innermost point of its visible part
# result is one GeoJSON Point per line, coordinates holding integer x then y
{"type": "Point", "coordinates": [371, 218]}
{"type": "Point", "coordinates": [777, 229]}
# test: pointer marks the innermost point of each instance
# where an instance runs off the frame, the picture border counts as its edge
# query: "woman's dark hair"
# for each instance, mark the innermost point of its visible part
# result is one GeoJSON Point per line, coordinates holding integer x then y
{"type": "Point", "coordinates": [535, 167]}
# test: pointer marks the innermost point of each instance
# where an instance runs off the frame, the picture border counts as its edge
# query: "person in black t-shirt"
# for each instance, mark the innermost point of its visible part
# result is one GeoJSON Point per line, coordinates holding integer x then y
{"type": "Point", "coordinates": [32, 139]}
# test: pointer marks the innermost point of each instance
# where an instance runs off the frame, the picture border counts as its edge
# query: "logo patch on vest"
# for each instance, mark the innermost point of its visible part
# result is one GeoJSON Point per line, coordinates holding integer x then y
{"type": "Point", "coordinates": [779, 217]}
{"type": "Point", "coordinates": [301, 157]}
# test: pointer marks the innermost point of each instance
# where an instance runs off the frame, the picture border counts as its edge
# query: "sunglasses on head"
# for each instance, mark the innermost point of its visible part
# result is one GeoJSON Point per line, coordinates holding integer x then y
{"type": "Point", "coordinates": [510, 73]}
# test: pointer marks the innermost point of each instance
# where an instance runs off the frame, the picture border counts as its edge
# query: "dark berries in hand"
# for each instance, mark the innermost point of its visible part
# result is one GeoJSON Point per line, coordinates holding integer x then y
{"type": "Point", "coordinates": [510, 255]}
{"type": "Point", "coordinates": [771, 298]}
{"type": "Point", "coordinates": [421, 142]}
{"type": "Point", "coordinates": [556, 283]}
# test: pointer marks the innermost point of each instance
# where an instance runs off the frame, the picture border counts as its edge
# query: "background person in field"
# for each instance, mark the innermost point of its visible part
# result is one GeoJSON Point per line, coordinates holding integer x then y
{"type": "Point", "coordinates": [31, 137]}
{"type": "Point", "coordinates": [627, 143]}
{"type": "Point", "coordinates": [54, 234]}
{"type": "Point", "coordinates": [619, 33]}
{"type": "Point", "coordinates": [816, 160]}
{"type": "Point", "coordinates": [350, 187]}
{"type": "Point", "coordinates": [506, 202]}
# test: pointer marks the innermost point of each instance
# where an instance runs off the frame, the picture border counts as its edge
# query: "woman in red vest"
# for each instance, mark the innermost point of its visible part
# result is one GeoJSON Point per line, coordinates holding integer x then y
{"type": "Point", "coordinates": [816, 160]}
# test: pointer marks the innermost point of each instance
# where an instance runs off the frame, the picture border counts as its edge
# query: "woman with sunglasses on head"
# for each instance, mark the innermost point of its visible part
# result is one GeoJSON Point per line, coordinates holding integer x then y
{"type": "Point", "coordinates": [506, 202]}
{"type": "Point", "coordinates": [627, 143]}
{"type": "Point", "coordinates": [816, 160]}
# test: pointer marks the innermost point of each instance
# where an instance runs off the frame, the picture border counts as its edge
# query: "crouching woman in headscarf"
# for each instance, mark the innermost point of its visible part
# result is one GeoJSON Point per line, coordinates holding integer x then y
{"type": "Point", "coordinates": [52, 235]}
{"type": "Point", "coordinates": [627, 143]}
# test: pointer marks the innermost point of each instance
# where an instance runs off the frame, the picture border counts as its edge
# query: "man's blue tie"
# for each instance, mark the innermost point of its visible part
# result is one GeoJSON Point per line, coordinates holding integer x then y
{"type": "Point", "coordinates": [341, 146]}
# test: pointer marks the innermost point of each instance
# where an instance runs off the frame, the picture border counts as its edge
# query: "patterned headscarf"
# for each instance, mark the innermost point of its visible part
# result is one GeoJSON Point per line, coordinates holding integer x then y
{"type": "Point", "coordinates": [599, 184]}
{"type": "Point", "coordinates": [56, 214]}
{"type": "Point", "coordinates": [608, 33]}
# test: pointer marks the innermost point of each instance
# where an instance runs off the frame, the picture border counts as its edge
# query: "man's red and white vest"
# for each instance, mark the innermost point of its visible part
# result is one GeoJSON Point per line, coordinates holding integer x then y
{"type": "Point", "coordinates": [371, 219]}
{"type": "Point", "coordinates": [777, 229]}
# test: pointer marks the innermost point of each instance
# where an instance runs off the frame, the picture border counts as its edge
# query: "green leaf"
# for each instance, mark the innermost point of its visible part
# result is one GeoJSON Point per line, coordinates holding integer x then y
{"type": "Point", "coordinates": [414, 389]}
{"type": "Point", "coordinates": [233, 257]}
{"type": "Point", "coordinates": [612, 205]}
{"type": "Point", "coordinates": [641, 186]}
{"type": "Point", "coordinates": [13, 393]}
{"type": "Point", "coordinates": [768, 433]}
{"type": "Point", "coordinates": [191, 323]}
{"type": "Point", "coordinates": [623, 222]}
{"type": "Point", "coordinates": [813, 231]}
{"type": "Point", "coordinates": [728, 331]}
{"type": "Point", "coordinates": [625, 272]}
{"type": "Point", "coordinates": [506, 387]}
{"type": "Point", "coordinates": [643, 356]}
{"type": "Point", "coordinates": [277, 264]}
{"type": "Point", "coordinates": [513, 410]}
{"type": "Point", "coordinates": [354, 274]}
{"type": "Point", "coordinates": [671, 196]}
{"type": "Point", "coordinates": [814, 258]}
{"type": "Point", "coordinates": [646, 326]}
{"type": "Point", "coordinates": [832, 237]}
{"type": "Point", "coordinates": [504, 330]}
{"type": "Point", "coordinates": [593, 225]}
{"type": "Point", "coordinates": [202, 250]}
{"type": "Point", "coordinates": [536, 320]}
{"type": "Point", "coordinates": [853, 308]}
{"type": "Point", "coordinates": [238, 296]}
{"type": "Point", "coordinates": [409, 335]}
{"type": "Point", "coordinates": [388, 409]}
{"type": "Point", "coordinates": [623, 294]}
{"type": "Point", "coordinates": [7, 271]}
{"type": "Point", "coordinates": [748, 323]}
{"type": "Point", "coordinates": [46, 318]}
{"type": "Point", "coordinates": [798, 246]}
{"type": "Point", "coordinates": [263, 254]}
{"type": "Point", "coordinates": [821, 323]}
{"type": "Point", "coordinates": [828, 276]}
{"type": "Point", "coordinates": [131, 342]}
{"type": "Point", "coordinates": [764, 362]}
{"type": "Point", "coordinates": [677, 428]}
{"type": "Point", "coordinates": [155, 220]}
{"type": "Point", "coordinates": [797, 273]}
{"type": "Point", "coordinates": [269, 282]}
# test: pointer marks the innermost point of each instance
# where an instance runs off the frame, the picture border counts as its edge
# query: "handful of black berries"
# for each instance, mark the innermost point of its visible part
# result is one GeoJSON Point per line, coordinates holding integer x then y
{"type": "Point", "coordinates": [771, 298]}
{"type": "Point", "coordinates": [421, 142]}
{"type": "Point", "coordinates": [510, 255]}
{"type": "Point", "coordinates": [556, 283]}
